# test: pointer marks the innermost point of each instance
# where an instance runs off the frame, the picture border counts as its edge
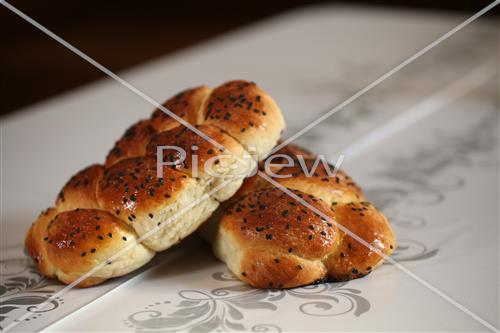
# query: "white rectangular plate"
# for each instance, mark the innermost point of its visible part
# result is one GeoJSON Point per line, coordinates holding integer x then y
{"type": "Point", "coordinates": [423, 145]}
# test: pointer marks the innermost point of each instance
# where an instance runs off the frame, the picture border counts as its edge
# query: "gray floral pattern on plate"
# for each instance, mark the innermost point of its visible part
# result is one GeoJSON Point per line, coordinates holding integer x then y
{"type": "Point", "coordinates": [227, 308]}
{"type": "Point", "coordinates": [22, 288]}
{"type": "Point", "coordinates": [424, 178]}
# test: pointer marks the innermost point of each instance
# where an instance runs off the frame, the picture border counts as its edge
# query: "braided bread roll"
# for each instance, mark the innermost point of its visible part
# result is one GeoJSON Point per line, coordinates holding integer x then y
{"type": "Point", "coordinates": [103, 208]}
{"type": "Point", "coordinates": [270, 240]}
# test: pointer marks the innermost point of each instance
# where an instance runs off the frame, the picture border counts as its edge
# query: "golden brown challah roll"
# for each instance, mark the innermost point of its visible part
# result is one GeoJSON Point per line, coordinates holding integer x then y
{"type": "Point", "coordinates": [269, 239]}
{"type": "Point", "coordinates": [105, 208]}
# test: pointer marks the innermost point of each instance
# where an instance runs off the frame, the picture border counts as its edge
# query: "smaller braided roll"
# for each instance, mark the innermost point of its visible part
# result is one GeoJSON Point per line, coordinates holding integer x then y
{"type": "Point", "coordinates": [268, 239]}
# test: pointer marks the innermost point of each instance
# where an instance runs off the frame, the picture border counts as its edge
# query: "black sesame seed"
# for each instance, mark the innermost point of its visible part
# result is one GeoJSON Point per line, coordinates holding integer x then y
{"type": "Point", "coordinates": [83, 254]}
{"type": "Point", "coordinates": [92, 250]}
{"type": "Point", "coordinates": [110, 235]}
{"type": "Point", "coordinates": [124, 238]}
{"type": "Point", "coordinates": [269, 236]}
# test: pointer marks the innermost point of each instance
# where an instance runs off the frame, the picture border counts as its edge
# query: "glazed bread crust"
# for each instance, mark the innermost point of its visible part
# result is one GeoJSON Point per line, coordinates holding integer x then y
{"type": "Point", "coordinates": [257, 125]}
{"type": "Point", "coordinates": [270, 240]}
{"type": "Point", "coordinates": [104, 208]}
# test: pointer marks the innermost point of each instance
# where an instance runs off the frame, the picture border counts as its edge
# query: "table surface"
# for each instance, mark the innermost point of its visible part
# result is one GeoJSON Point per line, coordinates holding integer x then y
{"type": "Point", "coordinates": [423, 144]}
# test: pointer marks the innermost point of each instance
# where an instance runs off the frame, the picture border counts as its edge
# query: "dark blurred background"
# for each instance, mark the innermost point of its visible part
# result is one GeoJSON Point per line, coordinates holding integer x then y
{"type": "Point", "coordinates": [121, 34]}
